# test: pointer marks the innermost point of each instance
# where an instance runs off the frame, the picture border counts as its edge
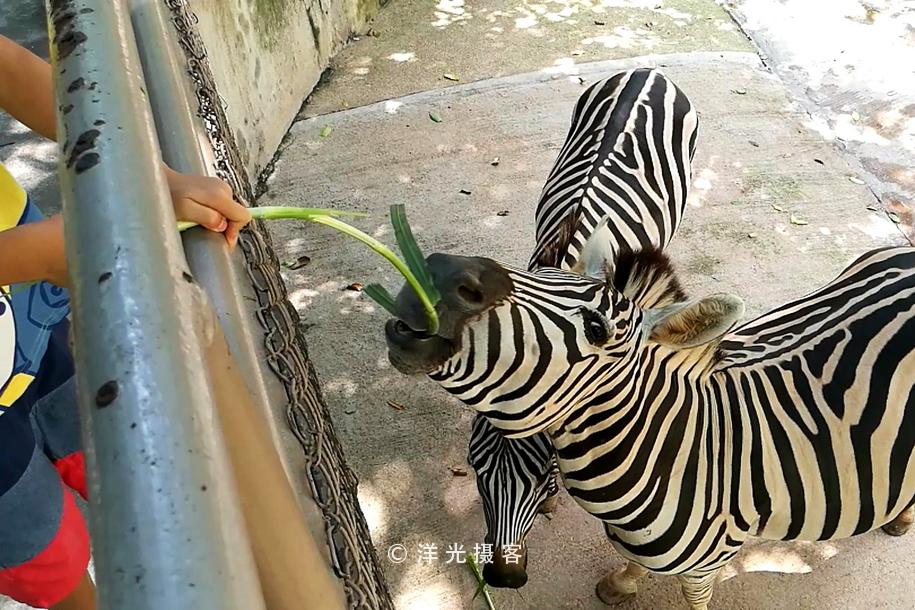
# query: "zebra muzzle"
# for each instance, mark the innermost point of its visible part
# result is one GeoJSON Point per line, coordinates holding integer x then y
{"type": "Point", "coordinates": [507, 570]}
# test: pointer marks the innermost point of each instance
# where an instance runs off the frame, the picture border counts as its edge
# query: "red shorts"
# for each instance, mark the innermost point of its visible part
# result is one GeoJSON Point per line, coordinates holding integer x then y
{"type": "Point", "coordinates": [52, 574]}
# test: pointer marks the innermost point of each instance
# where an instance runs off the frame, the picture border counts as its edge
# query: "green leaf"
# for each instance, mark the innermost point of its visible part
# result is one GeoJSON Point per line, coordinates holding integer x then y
{"type": "Point", "coordinates": [326, 131]}
{"type": "Point", "coordinates": [481, 583]}
{"type": "Point", "coordinates": [380, 295]}
{"type": "Point", "coordinates": [411, 252]}
{"type": "Point", "coordinates": [435, 116]}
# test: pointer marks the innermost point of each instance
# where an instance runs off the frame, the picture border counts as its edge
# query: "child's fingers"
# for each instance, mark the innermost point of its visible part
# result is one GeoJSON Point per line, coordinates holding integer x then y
{"type": "Point", "coordinates": [190, 210]}
{"type": "Point", "coordinates": [232, 233]}
{"type": "Point", "coordinates": [216, 194]}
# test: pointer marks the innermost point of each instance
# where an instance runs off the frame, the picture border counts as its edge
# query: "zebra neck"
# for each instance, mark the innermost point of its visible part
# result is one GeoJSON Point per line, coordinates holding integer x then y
{"type": "Point", "coordinates": [631, 438]}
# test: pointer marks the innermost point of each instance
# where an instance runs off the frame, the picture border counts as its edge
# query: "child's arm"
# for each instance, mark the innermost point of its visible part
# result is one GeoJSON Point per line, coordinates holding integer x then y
{"type": "Point", "coordinates": [34, 252]}
{"type": "Point", "coordinates": [26, 93]}
{"type": "Point", "coordinates": [25, 88]}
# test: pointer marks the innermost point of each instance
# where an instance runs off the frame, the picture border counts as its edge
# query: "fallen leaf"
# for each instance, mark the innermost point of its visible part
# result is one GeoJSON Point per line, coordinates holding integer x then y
{"type": "Point", "coordinates": [820, 161]}
{"type": "Point", "coordinates": [855, 117]}
{"type": "Point", "coordinates": [502, 213]}
{"type": "Point", "coordinates": [752, 235]}
{"type": "Point", "coordinates": [495, 161]}
{"type": "Point", "coordinates": [464, 192]}
{"type": "Point", "coordinates": [396, 405]}
{"type": "Point", "coordinates": [777, 207]}
{"type": "Point", "coordinates": [458, 471]}
{"type": "Point", "coordinates": [436, 117]}
{"type": "Point", "coordinates": [753, 143]}
{"type": "Point", "coordinates": [298, 263]}
{"type": "Point", "coordinates": [855, 180]}
{"type": "Point", "coordinates": [797, 220]}
{"type": "Point", "coordinates": [740, 91]}
{"type": "Point", "coordinates": [355, 286]}
{"type": "Point", "coordinates": [450, 77]}
{"type": "Point", "coordinates": [325, 131]}
{"type": "Point", "coordinates": [894, 217]}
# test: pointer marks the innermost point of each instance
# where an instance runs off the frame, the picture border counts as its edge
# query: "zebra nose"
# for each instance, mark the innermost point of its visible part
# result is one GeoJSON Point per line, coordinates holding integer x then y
{"type": "Point", "coordinates": [506, 570]}
{"type": "Point", "coordinates": [469, 285]}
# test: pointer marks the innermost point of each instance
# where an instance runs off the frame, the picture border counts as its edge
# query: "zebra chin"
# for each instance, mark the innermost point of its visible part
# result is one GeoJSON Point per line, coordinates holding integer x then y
{"type": "Point", "coordinates": [414, 352]}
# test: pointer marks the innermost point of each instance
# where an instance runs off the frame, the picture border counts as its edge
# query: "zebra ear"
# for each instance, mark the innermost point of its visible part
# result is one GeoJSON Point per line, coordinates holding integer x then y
{"type": "Point", "coordinates": [597, 255]}
{"type": "Point", "coordinates": [693, 323]}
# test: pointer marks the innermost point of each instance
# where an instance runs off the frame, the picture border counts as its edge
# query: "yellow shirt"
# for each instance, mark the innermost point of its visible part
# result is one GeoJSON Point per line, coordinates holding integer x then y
{"type": "Point", "coordinates": [12, 200]}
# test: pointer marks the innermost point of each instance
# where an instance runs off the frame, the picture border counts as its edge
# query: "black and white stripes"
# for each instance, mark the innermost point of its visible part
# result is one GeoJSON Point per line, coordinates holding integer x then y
{"type": "Point", "coordinates": [626, 159]}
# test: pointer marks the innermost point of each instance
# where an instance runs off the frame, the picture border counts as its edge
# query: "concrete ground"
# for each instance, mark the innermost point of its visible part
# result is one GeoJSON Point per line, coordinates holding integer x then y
{"type": "Point", "coordinates": [762, 158]}
{"type": "Point", "coordinates": [849, 63]}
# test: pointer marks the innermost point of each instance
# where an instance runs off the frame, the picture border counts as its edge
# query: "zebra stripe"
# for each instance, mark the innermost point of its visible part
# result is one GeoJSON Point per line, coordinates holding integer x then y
{"type": "Point", "coordinates": [799, 425]}
{"type": "Point", "coordinates": [607, 168]}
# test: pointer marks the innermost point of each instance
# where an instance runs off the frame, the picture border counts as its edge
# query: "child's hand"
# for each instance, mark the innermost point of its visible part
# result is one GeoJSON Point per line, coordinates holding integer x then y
{"type": "Point", "coordinates": [208, 202]}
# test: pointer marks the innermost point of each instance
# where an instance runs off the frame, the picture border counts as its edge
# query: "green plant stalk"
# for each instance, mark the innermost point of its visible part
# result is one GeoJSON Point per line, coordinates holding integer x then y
{"type": "Point", "coordinates": [327, 218]}
{"type": "Point", "coordinates": [392, 258]}
{"type": "Point", "coordinates": [481, 584]}
{"type": "Point", "coordinates": [278, 212]}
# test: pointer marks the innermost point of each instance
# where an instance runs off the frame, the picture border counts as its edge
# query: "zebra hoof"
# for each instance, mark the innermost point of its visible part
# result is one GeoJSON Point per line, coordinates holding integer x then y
{"type": "Point", "coordinates": [549, 505]}
{"type": "Point", "coordinates": [901, 524]}
{"type": "Point", "coordinates": [608, 592]}
{"type": "Point", "coordinates": [894, 528]}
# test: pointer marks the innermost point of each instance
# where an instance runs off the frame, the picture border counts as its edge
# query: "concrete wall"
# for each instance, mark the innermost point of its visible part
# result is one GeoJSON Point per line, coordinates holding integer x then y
{"type": "Point", "coordinates": [267, 56]}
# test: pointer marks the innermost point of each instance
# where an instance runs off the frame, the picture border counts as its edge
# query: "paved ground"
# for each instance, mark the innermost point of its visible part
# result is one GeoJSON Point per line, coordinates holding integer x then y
{"type": "Point", "coordinates": [849, 63]}
{"type": "Point", "coordinates": [763, 147]}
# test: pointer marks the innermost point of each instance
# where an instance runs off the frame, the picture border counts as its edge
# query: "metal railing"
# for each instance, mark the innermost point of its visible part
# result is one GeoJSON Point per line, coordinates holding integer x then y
{"type": "Point", "coordinates": [190, 502]}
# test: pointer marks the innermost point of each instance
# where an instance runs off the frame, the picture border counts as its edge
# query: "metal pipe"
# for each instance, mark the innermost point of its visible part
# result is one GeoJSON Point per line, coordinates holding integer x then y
{"type": "Point", "coordinates": [185, 148]}
{"type": "Point", "coordinates": [294, 567]}
{"type": "Point", "coordinates": [164, 515]}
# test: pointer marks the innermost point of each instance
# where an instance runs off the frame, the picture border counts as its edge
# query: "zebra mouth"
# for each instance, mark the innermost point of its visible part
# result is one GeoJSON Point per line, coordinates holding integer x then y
{"type": "Point", "coordinates": [414, 351]}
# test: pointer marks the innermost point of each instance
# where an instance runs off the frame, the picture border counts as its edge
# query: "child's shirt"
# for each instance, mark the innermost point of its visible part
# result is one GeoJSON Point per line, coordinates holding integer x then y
{"type": "Point", "coordinates": [34, 358]}
{"type": "Point", "coordinates": [28, 312]}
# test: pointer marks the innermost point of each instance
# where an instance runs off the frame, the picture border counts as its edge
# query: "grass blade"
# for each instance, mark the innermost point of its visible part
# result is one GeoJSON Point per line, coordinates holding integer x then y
{"type": "Point", "coordinates": [481, 584]}
{"type": "Point", "coordinates": [380, 295]}
{"type": "Point", "coordinates": [427, 298]}
{"type": "Point", "coordinates": [411, 252]}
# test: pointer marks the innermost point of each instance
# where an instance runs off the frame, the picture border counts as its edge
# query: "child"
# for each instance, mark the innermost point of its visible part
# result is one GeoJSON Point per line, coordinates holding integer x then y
{"type": "Point", "coordinates": [44, 545]}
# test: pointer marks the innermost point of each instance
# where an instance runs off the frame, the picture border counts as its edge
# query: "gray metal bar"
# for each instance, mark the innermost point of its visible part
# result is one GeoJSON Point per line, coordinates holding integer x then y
{"type": "Point", "coordinates": [293, 562]}
{"type": "Point", "coordinates": [164, 515]}
{"type": "Point", "coordinates": [185, 148]}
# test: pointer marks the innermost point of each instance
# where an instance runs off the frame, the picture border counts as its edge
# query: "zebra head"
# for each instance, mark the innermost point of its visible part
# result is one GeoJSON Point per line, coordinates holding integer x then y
{"type": "Point", "coordinates": [515, 484]}
{"type": "Point", "coordinates": [526, 348]}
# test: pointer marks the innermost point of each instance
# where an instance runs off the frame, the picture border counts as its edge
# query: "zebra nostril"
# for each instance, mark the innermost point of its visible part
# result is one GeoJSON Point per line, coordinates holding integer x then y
{"type": "Point", "coordinates": [470, 295]}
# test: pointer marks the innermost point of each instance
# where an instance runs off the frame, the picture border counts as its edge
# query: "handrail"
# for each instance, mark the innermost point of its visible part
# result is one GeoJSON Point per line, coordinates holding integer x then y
{"type": "Point", "coordinates": [166, 528]}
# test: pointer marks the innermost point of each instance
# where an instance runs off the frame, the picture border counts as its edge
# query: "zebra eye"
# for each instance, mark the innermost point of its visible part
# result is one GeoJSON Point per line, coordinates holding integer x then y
{"type": "Point", "coordinates": [595, 327]}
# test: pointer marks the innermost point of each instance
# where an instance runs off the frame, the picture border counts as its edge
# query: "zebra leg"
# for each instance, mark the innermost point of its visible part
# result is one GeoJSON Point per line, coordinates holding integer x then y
{"type": "Point", "coordinates": [698, 587]}
{"type": "Point", "coordinates": [621, 585]}
{"type": "Point", "coordinates": [901, 524]}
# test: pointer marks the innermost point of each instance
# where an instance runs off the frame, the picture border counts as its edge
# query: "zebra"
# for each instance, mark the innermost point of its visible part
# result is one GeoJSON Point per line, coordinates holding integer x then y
{"type": "Point", "coordinates": [683, 432]}
{"type": "Point", "coordinates": [627, 157]}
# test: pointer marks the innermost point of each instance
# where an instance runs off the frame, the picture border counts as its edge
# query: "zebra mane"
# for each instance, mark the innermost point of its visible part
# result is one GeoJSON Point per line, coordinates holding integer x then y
{"type": "Point", "coordinates": [647, 278]}
{"type": "Point", "coordinates": [553, 253]}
